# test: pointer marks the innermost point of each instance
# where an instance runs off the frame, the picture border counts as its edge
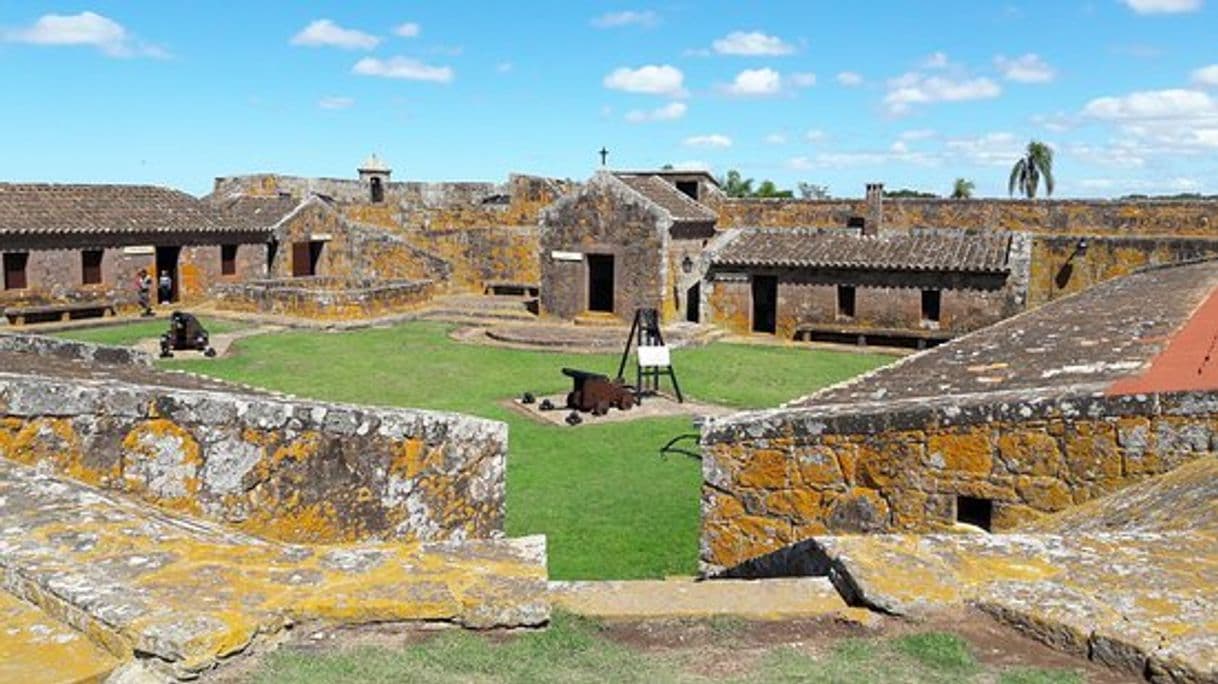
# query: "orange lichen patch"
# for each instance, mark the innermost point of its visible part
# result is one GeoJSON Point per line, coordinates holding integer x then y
{"type": "Point", "coordinates": [1044, 494]}
{"type": "Point", "coordinates": [819, 467]}
{"type": "Point", "coordinates": [765, 469]}
{"type": "Point", "coordinates": [1032, 452]}
{"type": "Point", "coordinates": [968, 452]}
{"type": "Point", "coordinates": [1091, 452]}
{"type": "Point", "coordinates": [36, 649]}
{"type": "Point", "coordinates": [291, 521]}
{"type": "Point", "coordinates": [1188, 363]}
{"type": "Point", "coordinates": [797, 504]}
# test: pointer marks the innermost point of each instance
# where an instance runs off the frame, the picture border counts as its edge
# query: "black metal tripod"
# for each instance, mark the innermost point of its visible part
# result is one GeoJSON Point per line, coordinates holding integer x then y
{"type": "Point", "coordinates": [645, 332]}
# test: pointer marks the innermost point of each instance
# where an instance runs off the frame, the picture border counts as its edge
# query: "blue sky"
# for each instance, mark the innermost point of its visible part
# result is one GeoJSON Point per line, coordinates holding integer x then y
{"type": "Point", "coordinates": [834, 93]}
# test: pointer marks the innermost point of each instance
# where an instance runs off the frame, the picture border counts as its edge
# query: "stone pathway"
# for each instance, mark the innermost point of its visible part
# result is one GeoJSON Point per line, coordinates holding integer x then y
{"type": "Point", "coordinates": [652, 407]}
{"type": "Point", "coordinates": [35, 649]}
{"type": "Point", "coordinates": [185, 594]}
{"type": "Point", "coordinates": [771, 599]}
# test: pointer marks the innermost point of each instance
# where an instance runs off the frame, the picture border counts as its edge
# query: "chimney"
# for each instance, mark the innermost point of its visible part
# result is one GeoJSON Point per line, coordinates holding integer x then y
{"type": "Point", "coordinates": [875, 209]}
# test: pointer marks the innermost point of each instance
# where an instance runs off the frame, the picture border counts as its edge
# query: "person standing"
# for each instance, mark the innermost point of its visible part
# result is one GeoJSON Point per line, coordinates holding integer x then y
{"type": "Point", "coordinates": [166, 288]}
{"type": "Point", "coordinates": [143, 287]}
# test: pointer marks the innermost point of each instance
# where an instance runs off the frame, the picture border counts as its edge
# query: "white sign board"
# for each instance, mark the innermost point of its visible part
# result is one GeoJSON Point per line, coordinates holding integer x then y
{"type": "Point", "coordinates": [321, 237]}
{"type": "Point", "coordinates": [654, 357]}
{"type": "Point", "coordinates": [140, 249]}
{"type": "Point", "coordinates": [566, 256]}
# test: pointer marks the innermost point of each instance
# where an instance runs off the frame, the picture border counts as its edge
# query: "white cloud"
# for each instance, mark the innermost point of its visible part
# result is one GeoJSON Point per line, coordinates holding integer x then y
{"type": "Point", "coordinates": [325, 33]}
{"type": "Point", "coordinates": [755, 83]}
{"type": "Point", "coordinates": [1029, 68]}
{"type": "Point", "coordinates": [814, 135]}
{"type": "Point", "coordinates": [650, 79]}
{"type": "Point", "coordinates": [916, 88]}
{"type": "Point", "coordinates": [917, 134]}
{"type": "Point", "coordinates": [504, 67]}
{"type": "Point", "coordinates": [403, 68]}
{"type": "Point", "coordinates": [86, 29]}
{"type": "Point", "coordinates": [799, 164]}
{"type": "Point", "coordinates": [776, 139]}
{"type": "Point", "coordinates": [803, 80]}
{"type": "Point", "coordinates": [1206, 76]}
{"type": "Point", "coordinates": [992, 149]}
{"type": "Point", "coordinates": [336, 103]}
{"type": "Point", "coordinates": [936, 60]}
{"type": "Point", "coordinates": [1122, 154]}
{"type": "Point", "coordinates": [669, 112]}
{"type": "Point", "coordinates": [1164, 6]}
{"type": "Point", "coordinates": [1174, 104]}
{"type": "Point", "coordinates": [644, 19]}
{"type": "Point", "coordinates": [849, 79]}
{"type": "Point", "coordinates": [692, 165]}
{"type": "Point", "coordinates": [714, 141]}
{"type": "Point", "coordinates": [408, 30]}
{"type": "Point", "coordinates": [752, 43]}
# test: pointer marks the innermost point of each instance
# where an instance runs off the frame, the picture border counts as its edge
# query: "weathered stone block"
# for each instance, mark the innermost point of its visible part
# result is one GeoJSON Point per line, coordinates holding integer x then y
{"type": "Point", "coordinates": [1030, 452]}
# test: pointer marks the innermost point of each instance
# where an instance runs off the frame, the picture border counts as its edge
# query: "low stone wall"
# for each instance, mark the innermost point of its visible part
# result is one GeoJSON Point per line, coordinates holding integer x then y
{"type": "Point", "coordinates": [771, 479]}
{"type": "Point", "coordinates": [73, 351]}
{"type": "Point", "coordinates": [325, 298]}
{"type": "Point", "coordinates": [290, 470]}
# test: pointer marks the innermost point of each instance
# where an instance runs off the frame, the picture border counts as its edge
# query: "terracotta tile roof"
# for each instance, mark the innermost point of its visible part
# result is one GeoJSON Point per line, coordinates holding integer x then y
{"type": "Point", "coordinates": [254, 213]}
{"type": "Point", "coordinates": [933, 250]}
{"type": "Point", "coordinates": [1093, 339]}
{"type": "Point", "coordinates": [54, 209]}
{"type": "Point", "coordinates": [680, 206]}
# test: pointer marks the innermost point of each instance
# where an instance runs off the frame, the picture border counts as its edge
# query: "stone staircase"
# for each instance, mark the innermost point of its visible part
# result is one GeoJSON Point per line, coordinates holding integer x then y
{"type": "Point", "coordinates": [479, 310]}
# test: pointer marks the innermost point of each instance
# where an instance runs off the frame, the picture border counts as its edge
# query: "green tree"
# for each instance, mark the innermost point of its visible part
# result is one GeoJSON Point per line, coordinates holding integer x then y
{"type": "Point", "coordinates": [769, 189]}
{"type": "Point", "coordinates": [734, 185]}
{"type": "Point", "coordinates": [813, 191]}
{"type": "Point", "coordinates": [1036, 163]}
{"type": "Point", "coordinates": [908, 193]}
{"type": "Point", "coordinates": [962, 188]}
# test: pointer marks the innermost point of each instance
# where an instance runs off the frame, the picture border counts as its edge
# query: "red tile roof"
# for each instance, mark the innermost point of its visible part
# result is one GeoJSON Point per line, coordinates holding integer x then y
{"type": "Point", "coordinates": [937, 250]}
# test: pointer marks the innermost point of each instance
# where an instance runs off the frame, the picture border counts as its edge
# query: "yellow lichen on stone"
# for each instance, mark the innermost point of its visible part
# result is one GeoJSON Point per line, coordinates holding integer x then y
{"type": "Point", "coordinates": [966, 452]}
{"type": "Point", "coordinates": [36, 649]}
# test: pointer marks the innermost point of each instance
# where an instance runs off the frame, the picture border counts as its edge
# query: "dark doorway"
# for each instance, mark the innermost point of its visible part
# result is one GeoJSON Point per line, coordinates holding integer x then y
{"type": "Point", "coordinates": [378, 190]}
{"type": "Point", "coordinates": [930, 306]}
{"type": "Point", "coordinates": [167, 262]}
{"type": "Point", "coordinates": [765, 304]}
{"type": "Point", "coordinates": [693, 304]}
{"type": "Point", "coordinates": [600, 282]}
{"type": "Point", "coordinates": [272, 251]}
{"type": "Point", "coordinates": [91, 267]}
{"type": "Point", "coordinates": [976, 512]}
{"type": "Point", "coordinates": [228, 260]}
{"type": "Point", "coordinates": [14, 270]}
{"type": "Point", "coordinates": [845, 301]}
{"type": "Point", "coordinates": [305, 257]}
{"type": "Point", "coordinates": [689, 188]}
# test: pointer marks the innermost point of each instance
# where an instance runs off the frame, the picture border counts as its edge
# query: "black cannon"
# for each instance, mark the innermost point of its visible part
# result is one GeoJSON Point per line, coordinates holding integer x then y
{"type": "Point", "coordinates": [185, 332]}
{"type": "Point", "coordinates": [596, 393]}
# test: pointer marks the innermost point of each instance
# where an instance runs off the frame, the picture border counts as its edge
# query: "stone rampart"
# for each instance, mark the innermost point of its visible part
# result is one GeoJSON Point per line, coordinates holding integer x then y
{"type": "Point", "coordinates": [70, 350]}
{"type": "Point", "coordinates": [774, 478]}
{"type": "Point", "coordinates": [297, 471]}
{"type": "Point", "coordinates": [325, 298]}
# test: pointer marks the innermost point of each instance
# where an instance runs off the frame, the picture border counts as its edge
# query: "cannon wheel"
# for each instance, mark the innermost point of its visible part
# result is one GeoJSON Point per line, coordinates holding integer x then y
{"type": "Point", "coordinates": [601, 408]}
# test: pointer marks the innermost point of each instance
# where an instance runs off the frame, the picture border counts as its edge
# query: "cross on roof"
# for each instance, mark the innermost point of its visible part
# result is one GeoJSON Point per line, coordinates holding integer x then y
{"type": "Point", "coordinates": [604, 153]}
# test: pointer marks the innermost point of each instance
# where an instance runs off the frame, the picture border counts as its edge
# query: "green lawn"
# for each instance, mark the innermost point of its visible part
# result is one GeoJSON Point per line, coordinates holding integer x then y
{"type": "Point", "coordinates": [577, 650]}
{"type": "Point", "coordinates": [128, 334]}
{"type": "Point", "coordinates": [610, 505]}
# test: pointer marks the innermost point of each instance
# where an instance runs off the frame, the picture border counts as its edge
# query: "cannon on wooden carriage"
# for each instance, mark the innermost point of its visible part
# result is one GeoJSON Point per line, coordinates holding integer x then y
{"type": "Point", "coordinates": [596, 394]}
{"type": "Point", "coordinates": [185, 332]}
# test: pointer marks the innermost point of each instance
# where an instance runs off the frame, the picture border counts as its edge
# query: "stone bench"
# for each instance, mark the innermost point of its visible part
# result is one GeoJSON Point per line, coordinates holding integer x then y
{"type": "Point", "coordinates": [66, 311]}
{"type": "Point", "coordinates": [864, 335]}
{"type": "Point", "coordinates": [511, 288]}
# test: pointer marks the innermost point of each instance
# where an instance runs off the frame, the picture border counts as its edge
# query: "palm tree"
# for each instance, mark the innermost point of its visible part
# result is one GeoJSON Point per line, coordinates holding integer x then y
{"type": "Point", "coordinates": [1027, 172]}
{"type": "Point", "coordinates": [962, 189]}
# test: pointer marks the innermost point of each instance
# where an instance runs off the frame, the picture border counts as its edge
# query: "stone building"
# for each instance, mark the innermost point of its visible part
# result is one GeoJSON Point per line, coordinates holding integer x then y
{"type": "Point", "coordinates": [915, 288]}
{"type": "Point", "coordinates": [621, 242]}
{"type": "Point", "coordinates": [76, 249]}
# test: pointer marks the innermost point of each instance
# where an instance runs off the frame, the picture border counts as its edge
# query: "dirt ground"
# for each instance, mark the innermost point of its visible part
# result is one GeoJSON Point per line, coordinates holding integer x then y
{"type": "Point", "coordinates": [719, 649]}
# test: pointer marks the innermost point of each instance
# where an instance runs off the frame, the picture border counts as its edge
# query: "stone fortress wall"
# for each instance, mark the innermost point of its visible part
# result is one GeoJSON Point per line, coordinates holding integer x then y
{"type": "Point", "coordinates": [281, 468]}
{"type": "Point", "coordinates": [775, 478]}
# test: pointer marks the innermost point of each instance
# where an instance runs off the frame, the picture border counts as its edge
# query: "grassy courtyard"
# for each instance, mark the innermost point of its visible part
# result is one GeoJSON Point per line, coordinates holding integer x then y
{"type": "Point", "coordinates": [610, 505]}
{"type": "Point", "coordinates": [129, 333]}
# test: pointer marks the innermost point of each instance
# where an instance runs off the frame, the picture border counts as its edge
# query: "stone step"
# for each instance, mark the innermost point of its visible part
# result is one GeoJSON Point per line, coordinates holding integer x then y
{"type": "Point", "coordinates": [184, 593]}
{"type": "Point", "coordinates": [37, 649]}
{"type": "Point", "coordinates": [771, 599]}
{"type": "Point", "coordinates": [596, 319]}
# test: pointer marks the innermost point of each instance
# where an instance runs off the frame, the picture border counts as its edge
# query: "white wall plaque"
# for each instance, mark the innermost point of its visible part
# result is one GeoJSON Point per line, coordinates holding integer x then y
{"type": "Point", "coordinates": [140, 249]}
{"type": "Point", "coordinates": [321, 237]}
{"type": "Point", "coordinates": [566, 256]}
